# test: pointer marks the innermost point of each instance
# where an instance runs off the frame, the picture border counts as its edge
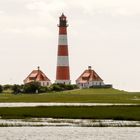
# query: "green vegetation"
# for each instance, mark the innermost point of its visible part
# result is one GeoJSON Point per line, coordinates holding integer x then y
{"type": "Point", "coordinates": [91, 95]}
{"type": "Point", "coordinates": [1, 89]}
{"type": "Point", "coordinates": [96, 112]}
{"type": "Point", "coordinates": [76, 96]}
{"type": "Point", "coordinates": [35, 87]}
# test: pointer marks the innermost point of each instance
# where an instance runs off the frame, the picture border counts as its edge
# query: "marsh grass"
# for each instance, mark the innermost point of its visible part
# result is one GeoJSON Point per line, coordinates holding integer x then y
{"type": "Point", "coordinates": [73, 112]}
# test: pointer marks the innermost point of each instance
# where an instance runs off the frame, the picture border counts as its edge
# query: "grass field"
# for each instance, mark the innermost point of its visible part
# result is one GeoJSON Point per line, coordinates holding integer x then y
{"type": "Point", "coordinates": [72, 112]}
{"type": "Point", "coordinates": [76, 96]}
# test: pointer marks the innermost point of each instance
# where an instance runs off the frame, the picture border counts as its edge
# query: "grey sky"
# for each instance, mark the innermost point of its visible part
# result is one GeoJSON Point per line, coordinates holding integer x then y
{"type": "Point", "coordinates": [101, 33]}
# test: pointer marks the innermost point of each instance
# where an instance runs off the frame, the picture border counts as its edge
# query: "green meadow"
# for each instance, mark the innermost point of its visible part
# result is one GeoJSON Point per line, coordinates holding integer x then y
{"type": "Point", "coordinates": [76, 96]}
{"type": "Point", "coordinates": [73, 112]}
{"type": "Point", "coordinates": [121, 112]}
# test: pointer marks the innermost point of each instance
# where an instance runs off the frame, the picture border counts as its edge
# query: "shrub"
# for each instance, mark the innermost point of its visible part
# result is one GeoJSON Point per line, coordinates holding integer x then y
{"type": "Point", "coordinates": [33, 87]}
{"type": "Point", "coordinates": [101, 86]}
{"type": "Point", "coordinates": [71, 87]}
{"type": "Point", "coordinates": [55, 87]}
{"type": "Point", "coordinates": [43, 89]}
{"type": "Point", "coordinates": [6, 87]}
{"type": "Point", "coordinates": [1, 88]}
{"type": "Point", "coordinates": [62, 87]}
{"type": "Point", "coordinates": [16, 89]}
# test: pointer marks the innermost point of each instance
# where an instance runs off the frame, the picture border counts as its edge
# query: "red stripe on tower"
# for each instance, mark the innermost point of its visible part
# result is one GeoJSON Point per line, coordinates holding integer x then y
{"type": "Point", "coordinates": [62, 72]}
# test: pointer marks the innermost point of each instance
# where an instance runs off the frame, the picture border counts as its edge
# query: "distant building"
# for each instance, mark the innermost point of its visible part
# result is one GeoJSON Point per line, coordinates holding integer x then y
{"type": "Point", "coordinates": [89, 78]}
{"type": "Point", "coordinates": [38, 76]}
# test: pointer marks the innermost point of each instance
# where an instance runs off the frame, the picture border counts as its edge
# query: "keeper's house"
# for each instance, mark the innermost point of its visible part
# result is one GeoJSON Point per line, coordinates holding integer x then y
{"type": "Point", "coordinates": [89, 78]}
{"type": "Point", "coordinates": [38, 76]}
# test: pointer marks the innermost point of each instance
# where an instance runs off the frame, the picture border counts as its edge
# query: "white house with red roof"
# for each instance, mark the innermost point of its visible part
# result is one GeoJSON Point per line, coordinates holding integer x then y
{"type": "Point", "coordinates": [89, 78]}
{"type": "Point", "coordinates": [38, 76]}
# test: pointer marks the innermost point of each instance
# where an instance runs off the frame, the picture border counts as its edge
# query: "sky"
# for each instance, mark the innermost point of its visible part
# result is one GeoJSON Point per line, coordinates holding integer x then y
{"type": "Point", "coordinates": [104, 34]}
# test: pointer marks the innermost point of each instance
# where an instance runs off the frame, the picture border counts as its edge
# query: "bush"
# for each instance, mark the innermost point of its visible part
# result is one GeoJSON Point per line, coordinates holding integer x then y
{"type": "Point", "coordinates": [101, 86]}
{"type": "Point", "coordinates": [55, 87]}
{"type": "Point", "coordinates": [6, 87]}
{"type": "Point", "coordinates": [16, 89]}
{"type": "Point", "coordinates": [62, 87]}
{"type": "Point", "coordinates": [1, 88]}
{"type": "Point", "coordinates": [71, 87]}
{"type": "Point", "coordinates": [33, 87]}
{"type": "Point", "coordinates": [43, 89]}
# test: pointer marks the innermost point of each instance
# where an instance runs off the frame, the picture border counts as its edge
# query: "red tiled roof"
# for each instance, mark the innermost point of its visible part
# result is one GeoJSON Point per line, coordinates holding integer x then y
{"type": "Point", "coordinates": [88, 75]}
{"type": "Point", "coordinates": [36, 75]}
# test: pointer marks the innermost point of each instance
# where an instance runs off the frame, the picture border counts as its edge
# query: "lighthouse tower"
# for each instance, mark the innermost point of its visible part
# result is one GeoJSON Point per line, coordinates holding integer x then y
{"type": "Point", "coordinates": [62, 72]}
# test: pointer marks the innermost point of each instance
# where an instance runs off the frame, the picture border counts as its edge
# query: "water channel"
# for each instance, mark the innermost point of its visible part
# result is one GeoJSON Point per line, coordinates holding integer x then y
{"type": "Point", "coordinates": [22, 104]}
{"type": "Point", "coordinates": [69, 133]}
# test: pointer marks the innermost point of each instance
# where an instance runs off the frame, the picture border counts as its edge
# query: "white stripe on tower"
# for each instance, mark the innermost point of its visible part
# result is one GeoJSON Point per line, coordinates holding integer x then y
{"type": "Point", "coordinates": [62, 72]}
{"type": "Point", "coordinates": [62, 40]}
{"type": "Point", "coordinates": [62, 61]}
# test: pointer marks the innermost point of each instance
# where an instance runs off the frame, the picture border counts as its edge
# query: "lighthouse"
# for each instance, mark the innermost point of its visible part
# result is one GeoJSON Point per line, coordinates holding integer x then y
{"type": "Point", "coordinates": [62, 70]}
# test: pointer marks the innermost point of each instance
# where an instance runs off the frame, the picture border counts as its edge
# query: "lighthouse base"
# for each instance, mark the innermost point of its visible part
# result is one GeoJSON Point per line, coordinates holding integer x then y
{"type": "Point", "coordinates": [66, 82]}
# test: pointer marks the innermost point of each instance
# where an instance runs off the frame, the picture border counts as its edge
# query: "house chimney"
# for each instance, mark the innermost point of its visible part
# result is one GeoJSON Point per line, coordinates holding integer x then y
{"type": "Point", "coordinates": [38, 68]}
{"type": "Point", "coordinates": [89, 67]}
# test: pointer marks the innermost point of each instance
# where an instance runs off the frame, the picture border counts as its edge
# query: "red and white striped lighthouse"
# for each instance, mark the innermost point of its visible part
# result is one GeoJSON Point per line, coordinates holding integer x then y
{"type": "Point", "coordinates": [62, 72]}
